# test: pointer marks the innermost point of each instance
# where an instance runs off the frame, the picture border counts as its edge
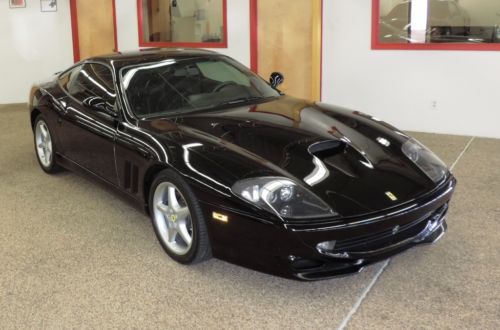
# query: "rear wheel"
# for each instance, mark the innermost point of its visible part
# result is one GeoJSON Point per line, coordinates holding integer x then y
{"type": "Point", "coordinates": [177, 219]}
{"type": "Point", "coordinates": [44, 146]}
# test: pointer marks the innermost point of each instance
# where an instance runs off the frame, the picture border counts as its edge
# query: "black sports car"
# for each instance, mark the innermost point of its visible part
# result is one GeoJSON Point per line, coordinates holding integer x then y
{"type": "Point", "coordinates": [226, 165]}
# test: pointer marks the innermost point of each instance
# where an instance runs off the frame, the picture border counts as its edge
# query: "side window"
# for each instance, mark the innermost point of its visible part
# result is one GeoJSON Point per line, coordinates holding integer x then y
{"type": "Point", "coordinates": [89, 81]}
{"type": "Point", "coordinates": [68, 78]}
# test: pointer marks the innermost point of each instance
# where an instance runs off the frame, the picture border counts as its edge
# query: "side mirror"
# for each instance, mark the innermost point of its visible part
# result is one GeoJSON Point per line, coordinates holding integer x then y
{"type": "Point", "coordinates": [276, 79]}
{"type": "Point", "coordinates": [99, 105]}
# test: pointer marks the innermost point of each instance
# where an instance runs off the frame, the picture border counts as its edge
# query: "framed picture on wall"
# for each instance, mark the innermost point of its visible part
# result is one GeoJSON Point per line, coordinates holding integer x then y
{"type": "Point", "coordinates": [17, 3]}
{"type": "Point", "coordinates": [48, 5]}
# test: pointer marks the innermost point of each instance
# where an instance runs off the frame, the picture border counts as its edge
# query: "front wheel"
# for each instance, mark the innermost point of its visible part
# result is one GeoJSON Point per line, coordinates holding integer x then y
{"type": "Point", "coordinates": [44, 146]}
{"type": "Point", "coordinates": [177, 219]}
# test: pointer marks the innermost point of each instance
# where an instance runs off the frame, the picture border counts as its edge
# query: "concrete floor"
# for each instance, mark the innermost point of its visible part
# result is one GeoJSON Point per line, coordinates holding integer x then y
{"type": "Point", "coordinates": [75, 255]}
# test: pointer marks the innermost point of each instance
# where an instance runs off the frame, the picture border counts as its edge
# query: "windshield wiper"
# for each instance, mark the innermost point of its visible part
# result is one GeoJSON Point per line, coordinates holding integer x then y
{"type": "Point", "coordinates": [211, 107]}
{"type": "Point", "coordinates": [245, 100]}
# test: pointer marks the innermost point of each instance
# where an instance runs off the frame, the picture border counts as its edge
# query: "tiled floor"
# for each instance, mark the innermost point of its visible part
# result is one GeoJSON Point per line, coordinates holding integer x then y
{"type": "Point", "coordinates": [73, 255]}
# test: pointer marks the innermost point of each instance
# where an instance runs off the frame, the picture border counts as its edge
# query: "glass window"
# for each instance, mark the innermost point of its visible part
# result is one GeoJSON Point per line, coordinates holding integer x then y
{"type": "Point", "coordinates": [438, 22]}
{"type": "Point", "coordinates": [68, 78]}
{"type": "Point", "coordinates": [182, 23]}
{"type": "Point", "coordinates": [89, 81]}
{"type": "Point", "coordinates": [180, 86]}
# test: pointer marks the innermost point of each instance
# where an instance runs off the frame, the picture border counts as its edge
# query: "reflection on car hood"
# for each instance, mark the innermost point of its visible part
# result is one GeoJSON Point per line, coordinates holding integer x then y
{"type": "Point", "coordinates": [349, 159]}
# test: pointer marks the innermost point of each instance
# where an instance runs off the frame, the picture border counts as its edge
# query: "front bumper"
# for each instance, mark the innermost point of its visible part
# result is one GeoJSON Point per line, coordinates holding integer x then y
{"type": "Point", "coordinates": [291, 251]}
{"type": "Point", "coordinates": [349, 262]}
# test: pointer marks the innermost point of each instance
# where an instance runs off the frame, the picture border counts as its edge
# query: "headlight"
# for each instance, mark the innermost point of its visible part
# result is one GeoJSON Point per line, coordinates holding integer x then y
{"type": "Point", "coordinates": [429, 163]}
{"type": "Point", "coordinates": [282, 196]}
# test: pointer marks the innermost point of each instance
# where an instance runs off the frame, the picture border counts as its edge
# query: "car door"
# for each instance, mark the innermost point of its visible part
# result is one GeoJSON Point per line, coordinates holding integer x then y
{"type": "Point", "coordinates": [88, 124]}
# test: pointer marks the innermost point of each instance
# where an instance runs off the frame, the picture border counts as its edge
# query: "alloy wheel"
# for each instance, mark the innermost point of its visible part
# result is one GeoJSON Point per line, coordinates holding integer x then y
{"type": "Point", "coordinates": [172, 218]}
{"type": "Point", "coordinates": [43, 143]}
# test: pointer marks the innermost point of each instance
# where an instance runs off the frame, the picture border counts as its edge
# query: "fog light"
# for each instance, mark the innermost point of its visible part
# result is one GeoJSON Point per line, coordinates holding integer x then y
{"type": "Point", "coordinates": [326, 246]}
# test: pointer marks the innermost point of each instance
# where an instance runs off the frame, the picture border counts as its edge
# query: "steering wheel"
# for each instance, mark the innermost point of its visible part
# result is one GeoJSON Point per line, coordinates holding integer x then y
{"type": "Point", "coordinates": [223, 85]}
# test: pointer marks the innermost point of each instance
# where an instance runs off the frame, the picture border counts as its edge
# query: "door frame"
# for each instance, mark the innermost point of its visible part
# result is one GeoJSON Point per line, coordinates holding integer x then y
{"type": "Point", "coordinates": [74, 29]}
{"type": "Point", "coordinates": [317, 48]}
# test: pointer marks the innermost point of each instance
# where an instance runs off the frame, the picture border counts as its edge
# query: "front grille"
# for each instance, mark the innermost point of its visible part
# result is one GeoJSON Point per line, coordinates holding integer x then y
{"type": "Point", "coordinates": [389, 236]}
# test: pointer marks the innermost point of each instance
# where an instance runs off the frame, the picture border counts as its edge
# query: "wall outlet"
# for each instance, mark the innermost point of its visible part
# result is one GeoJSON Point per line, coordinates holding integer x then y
{"type": "Point", "coordinates": [434, 105]}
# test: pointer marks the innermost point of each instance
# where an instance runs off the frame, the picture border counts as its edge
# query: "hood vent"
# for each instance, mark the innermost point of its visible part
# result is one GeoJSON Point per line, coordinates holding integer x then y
{"type": "Point", "coordinates": [327, 149]}
{"type": "Point", "coordinates": [330, 153]}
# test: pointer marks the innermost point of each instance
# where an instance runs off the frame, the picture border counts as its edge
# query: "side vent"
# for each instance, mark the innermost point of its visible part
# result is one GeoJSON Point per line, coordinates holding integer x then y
{"type": "Point", "coordinates": [131, 176]}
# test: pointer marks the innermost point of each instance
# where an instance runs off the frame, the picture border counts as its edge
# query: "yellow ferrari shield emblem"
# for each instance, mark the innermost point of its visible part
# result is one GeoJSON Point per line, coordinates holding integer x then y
{"type": "Point", "coordinates": [391, 196]}
{"type": "Point", "coordinates": [173, 217]}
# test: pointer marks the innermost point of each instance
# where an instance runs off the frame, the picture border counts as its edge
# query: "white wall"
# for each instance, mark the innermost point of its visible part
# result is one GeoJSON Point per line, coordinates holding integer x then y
{"type": "Point", "coordinates": [435, 91]}
{"type": "Point", "coordinates": [34, 45]}
{"type": "Point", "coordinates": [402, 86]}
{"type": "Point", "coordinates": [238, 28]}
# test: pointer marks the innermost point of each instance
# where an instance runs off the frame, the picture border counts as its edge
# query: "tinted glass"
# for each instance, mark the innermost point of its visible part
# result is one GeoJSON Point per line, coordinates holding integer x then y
{"type": "Point", "coordinates": [68, 78]}
{"type": "Point", "coordinates": [89, 81]}
{"type": "Point", "coordinates": [181, 86]}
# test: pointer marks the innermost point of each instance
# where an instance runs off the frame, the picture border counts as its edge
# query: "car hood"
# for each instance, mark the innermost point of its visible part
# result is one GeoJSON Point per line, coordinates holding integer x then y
{"type": "Point", "coordinates": [350, 160]}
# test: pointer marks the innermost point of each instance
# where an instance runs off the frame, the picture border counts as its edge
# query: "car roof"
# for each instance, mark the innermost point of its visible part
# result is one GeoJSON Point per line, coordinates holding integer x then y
{"type": "Point", "coordinates": [122, 59]}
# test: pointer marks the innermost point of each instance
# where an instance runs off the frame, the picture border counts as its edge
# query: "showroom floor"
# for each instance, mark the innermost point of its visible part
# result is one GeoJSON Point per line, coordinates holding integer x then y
{"type": "Point", "coordinates": [73, 255]}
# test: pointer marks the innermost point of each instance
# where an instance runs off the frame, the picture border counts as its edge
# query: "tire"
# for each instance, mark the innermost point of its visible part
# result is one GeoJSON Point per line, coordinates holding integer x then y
{"type": "Point", "coordinates": [176, 219]}
{"type": "Point", "coordinates": [45, 148]}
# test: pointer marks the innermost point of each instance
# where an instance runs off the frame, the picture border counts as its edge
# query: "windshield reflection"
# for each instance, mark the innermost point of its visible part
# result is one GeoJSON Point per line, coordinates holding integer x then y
{"type": "Point", "coordinates": [177, 86]}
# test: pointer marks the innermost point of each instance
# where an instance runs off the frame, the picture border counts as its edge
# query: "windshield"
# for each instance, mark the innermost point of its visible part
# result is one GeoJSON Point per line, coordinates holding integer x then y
{"type": "Point", "coordinates": [180, 86]}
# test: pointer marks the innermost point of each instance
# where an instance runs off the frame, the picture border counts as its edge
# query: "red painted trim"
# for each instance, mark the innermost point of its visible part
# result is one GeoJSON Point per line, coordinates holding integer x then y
{"type": "Point", "coordinates": [376, 44]}
{"type": "Point", "coordinates": [139, 20]}
{"type": "Point", "coordinates": [321, 53]}
{"type": "Point", "coordinates": [375, 19]}
{"type": "Point", "coordinates": [224, 20]}
{"type": "Point", "coordinates": [143, 43]}
{"type": "Point", "coordinates": [114, 26]}
{"type": "Point", "coordinates": [74, 30]}
{"type": "Point", "coordinates": [254, 36]}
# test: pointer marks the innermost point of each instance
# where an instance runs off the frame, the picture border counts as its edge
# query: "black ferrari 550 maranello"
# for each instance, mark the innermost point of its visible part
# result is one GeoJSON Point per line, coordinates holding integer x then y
{"type": "Point", "coordinates": [227, 165]}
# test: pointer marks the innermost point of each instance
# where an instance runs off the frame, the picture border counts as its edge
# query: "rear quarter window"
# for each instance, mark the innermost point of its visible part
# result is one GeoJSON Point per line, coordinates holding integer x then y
{"type": "Point", "coordinates": [89, 80]}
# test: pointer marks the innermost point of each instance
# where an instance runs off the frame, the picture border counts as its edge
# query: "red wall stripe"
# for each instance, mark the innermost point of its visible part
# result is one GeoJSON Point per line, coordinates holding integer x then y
{"type": "Point", "coordinates": [74, 30]}
{"type": "Point", "coordinates": [114, 26]}
{"type": "Point", "coordinates": [254, 36]}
